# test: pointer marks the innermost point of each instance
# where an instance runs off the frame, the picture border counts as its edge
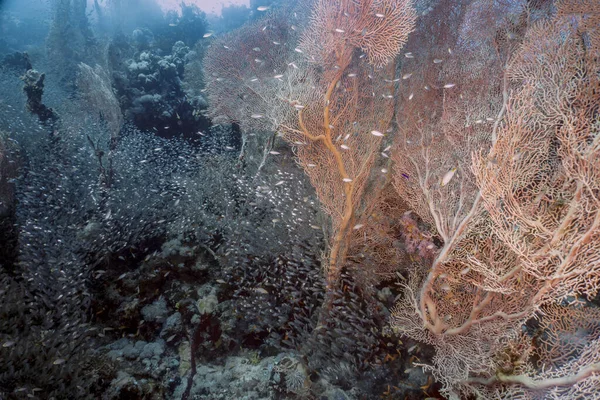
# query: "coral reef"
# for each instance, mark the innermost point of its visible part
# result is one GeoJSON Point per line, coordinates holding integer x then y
{"type": "Point", "coordinates": [151, 94]}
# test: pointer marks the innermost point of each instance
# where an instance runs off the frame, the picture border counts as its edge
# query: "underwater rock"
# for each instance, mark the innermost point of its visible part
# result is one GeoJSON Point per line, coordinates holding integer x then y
{"type": "Point", "coordinates": [179, 51]}
{"type": "Point", "coordinates": [132, 351]}
{"type": "Point", "coordinates": [141, 66]}
{"type": "Point", "coordinates": [185, 357]}
{"type": "Point", "coordinates": [279, 377]}
{"type": "Point", "coordinates": [151, 355]}
{"type": "Point", "coordinates": [125, 386]}
{"type": "Point", "coordinates": [200, 265]}
{"type": "Point", "coordinates": [154, 349]}
{"type": "Point", "coordinates": [90, 231]}
{"type": "Point", "coordinates": [17, 62]}
{"type": "Point", "coordinates": [155, 312]}
{"type": "Point", "coordinates": [172, 326]}
{"type": "Point", "coordinates": [207, 305]}
{"type": "Point", "coordinates": [385, 295]}
{"type": "Point", "coordinates": [146, 102]}
{"type": "Point", "coordinates": [34, 89]}
{"type": "Point", "coordinates": [335, 394]}
{"type": "Point", "coordinates": [117, 348]}
{"type": "Point", "coordinates": [142, 38]}
{"type": "Point", "coordinates": [417, 376]}
{"type": "Point", "coordinates": [199, 102]}
{"type": "Point", "coordinates": [174, 247]}
{"type": "Point", "coordinates": [237, 379]}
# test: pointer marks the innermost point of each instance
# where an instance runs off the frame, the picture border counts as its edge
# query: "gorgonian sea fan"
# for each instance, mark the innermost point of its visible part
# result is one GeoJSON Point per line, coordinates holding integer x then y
{"type": "Point", "coordinates": [379, 27]}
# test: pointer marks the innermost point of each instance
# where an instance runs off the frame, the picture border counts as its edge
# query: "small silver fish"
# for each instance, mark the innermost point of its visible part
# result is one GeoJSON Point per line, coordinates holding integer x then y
{"type": "Point", "coordinates": [449, 85]}
{"type": "Point", "coordinates": [340, 30]}
{"type": "Point", "coordinates": [256, 116]}
{"type": "Point", "coordinates": [406, 76]}
{"type": "Point", "coordinates": [207, 34]}
{"type": "Point", "coordinates": [262, 8]}
{"type": "Point", "coordinates": [448, 176]}
{"type": "Point", "coordinates": [376, 133]}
